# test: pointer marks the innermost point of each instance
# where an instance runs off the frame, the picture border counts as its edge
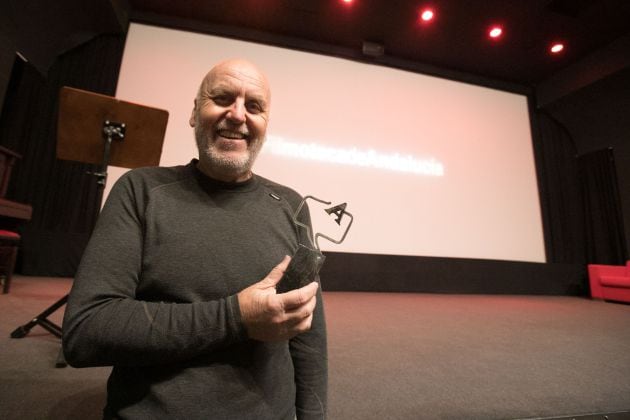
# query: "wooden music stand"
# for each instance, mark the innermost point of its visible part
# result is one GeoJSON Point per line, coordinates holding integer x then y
{"type": "Point", "coordinates": [101, 130]}
{"type": "Point", "coordinates": [82, 114]}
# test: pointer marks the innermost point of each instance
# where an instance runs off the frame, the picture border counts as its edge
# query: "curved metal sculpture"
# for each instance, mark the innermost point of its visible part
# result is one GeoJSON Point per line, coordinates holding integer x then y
{"type": "Point", "coordinates": [308, 259]}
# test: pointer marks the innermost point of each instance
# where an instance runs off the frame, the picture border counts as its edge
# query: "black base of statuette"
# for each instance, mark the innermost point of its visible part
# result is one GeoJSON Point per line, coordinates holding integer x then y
{"type": "Point", "coordinates": [303, 269]}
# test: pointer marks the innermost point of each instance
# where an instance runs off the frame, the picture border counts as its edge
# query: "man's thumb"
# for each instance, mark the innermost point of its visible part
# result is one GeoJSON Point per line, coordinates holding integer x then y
{"type": "Point", "coordinates": [276, 273]}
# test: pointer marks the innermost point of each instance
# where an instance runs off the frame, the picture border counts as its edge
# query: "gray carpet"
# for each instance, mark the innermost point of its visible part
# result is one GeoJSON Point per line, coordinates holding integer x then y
{"type": "Point", "coordinates": [409, 356]}
{"type": "Point", "coordinates": [392, 356]}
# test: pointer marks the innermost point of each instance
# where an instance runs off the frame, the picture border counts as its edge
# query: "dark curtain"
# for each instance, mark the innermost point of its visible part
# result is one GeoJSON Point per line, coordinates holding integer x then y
{"type": "Point", "coordinates": [64, 197]}
{"type": "Point", "coordinates": [603, 218]}
{"type": "Point", "coordinates": [560, 194]}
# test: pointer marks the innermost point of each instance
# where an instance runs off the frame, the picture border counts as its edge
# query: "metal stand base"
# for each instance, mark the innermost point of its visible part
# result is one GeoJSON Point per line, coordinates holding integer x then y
{"type": "Point", "coordinates": [43, 321]}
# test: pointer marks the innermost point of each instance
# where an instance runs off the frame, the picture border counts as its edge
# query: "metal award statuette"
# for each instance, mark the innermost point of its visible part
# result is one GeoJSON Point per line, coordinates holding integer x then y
{"type": "Point", "coordinates": [308, 259]}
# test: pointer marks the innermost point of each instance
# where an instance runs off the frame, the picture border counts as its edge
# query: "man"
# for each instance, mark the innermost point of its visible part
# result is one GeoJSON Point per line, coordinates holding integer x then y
{"type": "Point", "coordinates": [176, 289]}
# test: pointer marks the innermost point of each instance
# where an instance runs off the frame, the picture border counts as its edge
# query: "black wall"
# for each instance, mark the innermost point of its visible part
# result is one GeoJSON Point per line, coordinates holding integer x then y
{"type": "Point", "coordinates": [597, 116]}
{"type": "Point", "coordinates": [42, 30]}
{"type": "Point", "coordinates": [7, 57]}
{"type": "Point", "coordinates": [590, 101]}
{"type": "Point", "coordinates": [64, 43]}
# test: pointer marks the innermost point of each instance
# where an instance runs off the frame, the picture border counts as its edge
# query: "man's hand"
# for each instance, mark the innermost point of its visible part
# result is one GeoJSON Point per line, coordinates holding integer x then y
{"type": "Point", "coordinates": [269, 316]}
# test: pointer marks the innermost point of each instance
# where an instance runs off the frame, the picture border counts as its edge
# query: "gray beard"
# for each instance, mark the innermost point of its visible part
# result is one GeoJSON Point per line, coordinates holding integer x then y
{"type": "Point", "coordinates": [219, 161]}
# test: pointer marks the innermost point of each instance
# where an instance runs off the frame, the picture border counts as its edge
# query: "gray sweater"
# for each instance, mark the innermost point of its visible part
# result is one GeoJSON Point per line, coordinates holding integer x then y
{"type": "Point", "coordinates": [155, 297]}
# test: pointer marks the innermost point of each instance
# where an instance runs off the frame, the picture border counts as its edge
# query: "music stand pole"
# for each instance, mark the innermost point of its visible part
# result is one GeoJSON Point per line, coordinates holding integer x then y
{"type": "Point", "coordinates": [111, 130]}
{"type": "Point", "coordinates": [79, 113]}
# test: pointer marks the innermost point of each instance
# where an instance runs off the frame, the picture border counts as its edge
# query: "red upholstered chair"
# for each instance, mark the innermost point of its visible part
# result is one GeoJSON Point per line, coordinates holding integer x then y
{"type": "Point", "coordinates": [610, 282]}
{"type": "Point", "coordinates": [9, 242]}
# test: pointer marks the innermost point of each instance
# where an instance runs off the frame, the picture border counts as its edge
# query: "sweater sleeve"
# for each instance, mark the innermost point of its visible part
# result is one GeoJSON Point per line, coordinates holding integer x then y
{"type": "Point", "coordinates": [105, 324]}
{"type": "Point", "coordinates": [310, 360]}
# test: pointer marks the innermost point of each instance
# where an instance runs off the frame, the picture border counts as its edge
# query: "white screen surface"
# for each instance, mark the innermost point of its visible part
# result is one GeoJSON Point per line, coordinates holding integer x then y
{"type": "Point", "coordinates": [428, 166]}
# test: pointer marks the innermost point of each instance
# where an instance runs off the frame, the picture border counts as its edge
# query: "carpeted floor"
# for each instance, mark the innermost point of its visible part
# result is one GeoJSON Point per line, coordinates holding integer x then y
{"type": "Point", "coordinates": [392, 356]}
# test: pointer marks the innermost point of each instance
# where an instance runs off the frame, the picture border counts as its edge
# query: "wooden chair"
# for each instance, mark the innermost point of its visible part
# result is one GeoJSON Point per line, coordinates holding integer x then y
{"type": "Point", "coordinates": [9, 241]}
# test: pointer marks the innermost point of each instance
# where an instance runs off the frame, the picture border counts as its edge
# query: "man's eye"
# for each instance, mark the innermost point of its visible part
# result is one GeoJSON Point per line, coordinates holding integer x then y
{"type": "Point", "coordinates": [254, 107]}
{"type": "Point", "coordinates": [222, 100]}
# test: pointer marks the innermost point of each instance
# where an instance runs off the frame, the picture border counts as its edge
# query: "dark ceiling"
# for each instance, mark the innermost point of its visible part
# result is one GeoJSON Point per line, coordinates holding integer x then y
{"type": "Point", "coordinates": [455, 41]}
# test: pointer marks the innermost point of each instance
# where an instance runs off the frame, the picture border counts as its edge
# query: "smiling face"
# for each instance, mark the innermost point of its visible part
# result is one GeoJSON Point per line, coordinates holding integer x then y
{"type": "Point", "coordinates": [230, 120]}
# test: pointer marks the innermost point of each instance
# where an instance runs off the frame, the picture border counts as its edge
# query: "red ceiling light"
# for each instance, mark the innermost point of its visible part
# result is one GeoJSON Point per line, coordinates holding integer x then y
{"type": "Point", "coordinates": [346, 1]}
{"type": "Point", "coordinates": [556, 48]}
{"type": "Point", "coordinates": [426, 15]}
{"type": "Point", "coordinates": [495, 32]}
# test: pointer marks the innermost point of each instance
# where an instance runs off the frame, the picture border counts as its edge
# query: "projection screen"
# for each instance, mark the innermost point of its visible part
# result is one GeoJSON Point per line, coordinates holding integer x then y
{"type": "Point", "coordinates": [427, 166]}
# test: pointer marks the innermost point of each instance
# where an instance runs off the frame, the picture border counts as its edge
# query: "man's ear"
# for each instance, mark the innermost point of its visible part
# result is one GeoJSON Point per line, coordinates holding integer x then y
{"type": "Point", "coordinates": [191, 121]}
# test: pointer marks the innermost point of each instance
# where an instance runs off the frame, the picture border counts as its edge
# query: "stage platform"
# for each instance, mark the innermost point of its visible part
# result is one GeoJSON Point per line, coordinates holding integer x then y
{"type": "Point", "coordinates": [391, 356]}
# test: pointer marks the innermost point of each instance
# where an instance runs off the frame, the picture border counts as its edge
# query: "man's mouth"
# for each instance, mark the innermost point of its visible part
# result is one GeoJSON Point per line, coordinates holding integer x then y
{"type": "Point", "coordinates": [232, 135]}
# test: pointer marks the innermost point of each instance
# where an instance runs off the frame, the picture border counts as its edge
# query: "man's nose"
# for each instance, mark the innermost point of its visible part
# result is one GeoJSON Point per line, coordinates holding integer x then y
{"type": "Point", "coordinates": [236, 113]}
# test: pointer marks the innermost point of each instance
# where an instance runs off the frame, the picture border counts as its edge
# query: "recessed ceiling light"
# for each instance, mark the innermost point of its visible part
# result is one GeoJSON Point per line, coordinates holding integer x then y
{"type": "Point", "coordinates": [556, 47]}
{"type": "Point", "coordinates": [427, 15]}
{"type": "Point", "coordinates": [495, 32]}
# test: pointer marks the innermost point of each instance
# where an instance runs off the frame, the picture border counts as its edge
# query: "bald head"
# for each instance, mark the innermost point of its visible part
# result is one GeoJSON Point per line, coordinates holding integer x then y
{"type": "Point", "coordinates": [236, 68]}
